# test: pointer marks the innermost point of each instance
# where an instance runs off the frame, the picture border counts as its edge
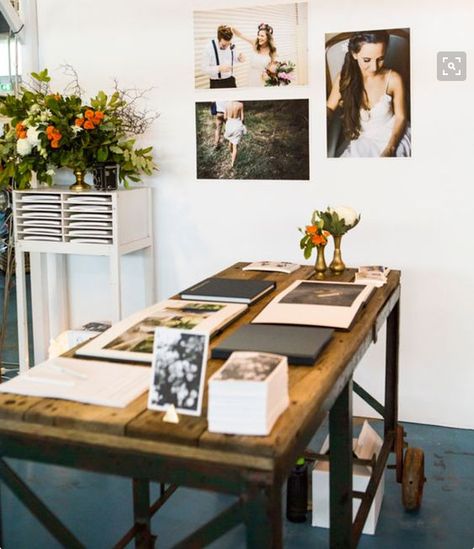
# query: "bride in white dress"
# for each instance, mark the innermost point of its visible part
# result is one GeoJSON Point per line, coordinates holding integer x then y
{"type": "Point", "coordinates": [372, 99]}
{"type": "Point", "coordinates": [263, 54]}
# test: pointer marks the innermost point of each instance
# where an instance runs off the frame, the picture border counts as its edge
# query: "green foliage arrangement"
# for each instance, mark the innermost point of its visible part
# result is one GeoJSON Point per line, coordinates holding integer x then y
{"type": "Point", "coordinates": [51, 130]}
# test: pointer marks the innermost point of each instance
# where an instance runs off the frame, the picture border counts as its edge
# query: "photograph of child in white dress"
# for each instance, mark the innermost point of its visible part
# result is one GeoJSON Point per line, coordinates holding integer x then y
{"type": "Point", "coordinates": [267, 48]}
{"type": "Point", "coordinates": [368, 93]}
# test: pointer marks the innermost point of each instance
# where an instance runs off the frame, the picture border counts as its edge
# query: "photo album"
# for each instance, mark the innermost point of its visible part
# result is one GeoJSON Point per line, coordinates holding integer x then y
{"type": "Point", "coordinates": [131, 339]}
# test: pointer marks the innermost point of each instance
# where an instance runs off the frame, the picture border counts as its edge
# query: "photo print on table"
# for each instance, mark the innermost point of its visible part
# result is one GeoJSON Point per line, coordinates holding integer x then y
{"type": "Point", "coordinates": [314, 293]}
{"type": "Point", "coordinates": [266, 139]}
{"type": "Point", "coordinates": [178, 370]}
{"type": "Point", "coordinates": [253, 46]}
{"type": "Point", "coordinates": [369, 114]}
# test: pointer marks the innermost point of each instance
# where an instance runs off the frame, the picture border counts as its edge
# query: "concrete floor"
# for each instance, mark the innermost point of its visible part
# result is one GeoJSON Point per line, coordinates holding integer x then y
{"type": "Point", "coordinates": [97, 508]}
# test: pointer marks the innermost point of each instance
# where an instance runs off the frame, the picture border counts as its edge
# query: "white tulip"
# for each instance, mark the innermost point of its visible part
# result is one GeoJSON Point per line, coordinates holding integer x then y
{"type": "Point", "coordinates": [23, 147]}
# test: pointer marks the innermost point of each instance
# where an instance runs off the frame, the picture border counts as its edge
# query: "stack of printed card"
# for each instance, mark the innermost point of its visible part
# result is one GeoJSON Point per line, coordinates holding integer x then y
{"type": "Point", "coordinates": [373, 274]}
{"type": "Point", "coordinates": [248, 394]}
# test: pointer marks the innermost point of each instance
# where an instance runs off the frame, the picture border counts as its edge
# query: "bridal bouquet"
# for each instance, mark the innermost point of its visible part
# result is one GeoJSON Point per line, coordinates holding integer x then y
{"type": "Point", "coordinates": [47, 130]}
{"type": "Point", "coordinates": [278, 73]}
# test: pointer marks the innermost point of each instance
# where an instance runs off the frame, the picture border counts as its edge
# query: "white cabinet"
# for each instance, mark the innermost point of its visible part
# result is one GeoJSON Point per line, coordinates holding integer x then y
{"type": "Point", "coordinates": [55, 221]}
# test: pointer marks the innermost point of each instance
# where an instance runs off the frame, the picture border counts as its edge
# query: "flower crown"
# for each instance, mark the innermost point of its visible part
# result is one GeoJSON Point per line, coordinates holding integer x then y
{"type": "Point", "coordinates": [265, 27]}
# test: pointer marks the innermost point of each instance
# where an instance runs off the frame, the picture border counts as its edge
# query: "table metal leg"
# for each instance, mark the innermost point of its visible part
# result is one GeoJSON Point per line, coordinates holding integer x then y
{"type": "Point", "coordinates": [37, 508]}
{"type": "Point", "coordinates": [141, 514]}
{"type": "Point", "coordinates": [340, 470]}
{"type": "Point", "coordinates": [391, 370]}
{"type": "Point", "coordinates": [263, 517]}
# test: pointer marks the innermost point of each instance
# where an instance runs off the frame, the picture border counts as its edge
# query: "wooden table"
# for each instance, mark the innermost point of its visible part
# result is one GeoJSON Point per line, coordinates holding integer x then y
{"type": "Point", "coordinates": [134, 442]}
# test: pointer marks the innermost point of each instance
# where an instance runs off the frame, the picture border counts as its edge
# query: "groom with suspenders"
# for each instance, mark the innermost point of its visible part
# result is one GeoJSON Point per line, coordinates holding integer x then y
{"type": "Point", "coordinates": [219, 59]}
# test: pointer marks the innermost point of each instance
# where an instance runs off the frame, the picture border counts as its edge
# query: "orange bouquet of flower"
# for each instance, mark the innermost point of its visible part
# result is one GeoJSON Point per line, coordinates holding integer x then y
{"type": "Point", "coordinates": [314, 235]}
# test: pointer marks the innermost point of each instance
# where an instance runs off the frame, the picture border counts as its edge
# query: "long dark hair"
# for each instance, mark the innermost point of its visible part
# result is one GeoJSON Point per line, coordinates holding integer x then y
{"type": "Point", "coordinates": [268, 30]}
{"type": "Point", "coordinates": [351, 85]}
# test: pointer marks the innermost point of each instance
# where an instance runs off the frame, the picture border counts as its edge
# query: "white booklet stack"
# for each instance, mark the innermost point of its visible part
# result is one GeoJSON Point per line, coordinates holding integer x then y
{"type": "Point", "coordinates": [372, 274]}
{"type": "Point", "coordinates": [248, 394]}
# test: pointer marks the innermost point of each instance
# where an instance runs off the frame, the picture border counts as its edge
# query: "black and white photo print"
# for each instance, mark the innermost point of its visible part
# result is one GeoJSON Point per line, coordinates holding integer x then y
{"type": "Point", "coordinates": [178, 370]}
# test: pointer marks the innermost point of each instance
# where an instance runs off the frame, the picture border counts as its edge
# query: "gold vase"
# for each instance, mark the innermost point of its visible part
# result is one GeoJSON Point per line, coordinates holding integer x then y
{"type": "Point", "coordinates": [80, 184]}
{"type": "Point", "coordinates": [337, 265]}
{"type": "Point", "coordinates": [320, 266]}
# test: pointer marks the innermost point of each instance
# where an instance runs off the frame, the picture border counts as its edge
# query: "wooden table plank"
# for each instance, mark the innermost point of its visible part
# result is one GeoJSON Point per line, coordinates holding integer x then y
{"type": "Point", "coordinates": [15, 406]}
{"type": "Point", "coordinates": [85, 417]}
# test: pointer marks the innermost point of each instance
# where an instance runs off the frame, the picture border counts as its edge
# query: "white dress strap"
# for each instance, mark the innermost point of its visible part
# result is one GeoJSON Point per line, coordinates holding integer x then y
{"type": "Point", "coordinates": [388, 80]}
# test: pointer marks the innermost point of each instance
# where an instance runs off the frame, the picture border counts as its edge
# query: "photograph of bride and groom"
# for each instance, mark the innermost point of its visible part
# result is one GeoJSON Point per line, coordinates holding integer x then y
{"type": "Point", "coordinates": [258, 46]}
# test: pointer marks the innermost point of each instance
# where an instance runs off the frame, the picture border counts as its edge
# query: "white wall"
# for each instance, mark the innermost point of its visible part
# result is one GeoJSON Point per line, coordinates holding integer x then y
{"type": "Point", "coordinates": [416, 213]}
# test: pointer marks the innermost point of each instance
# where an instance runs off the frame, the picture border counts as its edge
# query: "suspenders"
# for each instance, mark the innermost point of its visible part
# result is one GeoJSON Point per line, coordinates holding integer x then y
{"type": "Point", "coordinates": [217, 57]}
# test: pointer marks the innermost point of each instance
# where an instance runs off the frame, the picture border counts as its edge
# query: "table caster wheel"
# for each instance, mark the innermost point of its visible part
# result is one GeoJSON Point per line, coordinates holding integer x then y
{"type": "Point", "coordinates": [413, 478]}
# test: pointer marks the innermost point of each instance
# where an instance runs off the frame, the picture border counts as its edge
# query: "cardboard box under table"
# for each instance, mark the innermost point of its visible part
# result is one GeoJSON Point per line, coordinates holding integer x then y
{"type": "Point", "coordinates": [368, 444]}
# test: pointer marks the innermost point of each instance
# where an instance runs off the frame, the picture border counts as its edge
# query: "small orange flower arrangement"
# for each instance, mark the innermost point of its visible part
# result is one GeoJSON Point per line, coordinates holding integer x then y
{"type": "Point", "coordinates": [314, 235]}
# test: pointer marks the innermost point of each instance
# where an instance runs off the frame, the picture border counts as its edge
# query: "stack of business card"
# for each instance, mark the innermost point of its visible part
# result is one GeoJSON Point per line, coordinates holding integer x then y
{"type": "Point", "coordinates": [248, 394]}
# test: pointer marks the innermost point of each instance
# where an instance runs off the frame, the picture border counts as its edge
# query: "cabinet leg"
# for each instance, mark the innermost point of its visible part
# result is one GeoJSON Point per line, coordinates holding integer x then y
{"type": "Point", "coordinates": [115, 286]}
{"type": "Point", "coordinates": [22, 314]}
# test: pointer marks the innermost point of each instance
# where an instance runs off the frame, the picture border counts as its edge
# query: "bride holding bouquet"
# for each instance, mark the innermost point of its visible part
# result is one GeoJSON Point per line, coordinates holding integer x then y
{"type": "Point", "coordinates": [263, 56]}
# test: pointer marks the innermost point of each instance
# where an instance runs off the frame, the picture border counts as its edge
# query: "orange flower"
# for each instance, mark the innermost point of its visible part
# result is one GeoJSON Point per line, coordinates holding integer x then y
{"type": "Point", "coordinates": [96, 120]}
{"type": "Point", "coordinates": [79, 122]}
{"type": "Point", "coordinates": [50, 131]}
{"type": "Point", "coordinates": [89, 114]}
{"type": "Point", "coordinates": [311, 229]}
{"type": "Point", "coordinates": [99, 115]}
{"type": "Point", "coordinates": [89, 125]}
{"type": "Point", "coordinates": [20, 130]}
{"type": "Point", "coordinates": [55, 143]}
{"type": "Point", "coordinates": [318, 239]}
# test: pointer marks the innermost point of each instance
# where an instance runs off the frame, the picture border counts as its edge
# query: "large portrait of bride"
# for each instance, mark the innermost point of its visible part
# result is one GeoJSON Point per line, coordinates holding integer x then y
{"type": "Point", "coordinates": [368, 93]}
{"type": "Point", "coordinates": [257, 46]}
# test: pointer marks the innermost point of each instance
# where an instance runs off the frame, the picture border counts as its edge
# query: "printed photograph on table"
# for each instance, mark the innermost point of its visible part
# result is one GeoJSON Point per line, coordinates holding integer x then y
{"type": "Point", "coordinates": [253, 46]}
{"type": "Point", "coordinates": [368, 94]}
{"type": "Point", "coordinates": [253, 139]}
{"type": "Point", "coordinates": [314, 293]}
{"type": "Point", "coordinates": [178, 370]}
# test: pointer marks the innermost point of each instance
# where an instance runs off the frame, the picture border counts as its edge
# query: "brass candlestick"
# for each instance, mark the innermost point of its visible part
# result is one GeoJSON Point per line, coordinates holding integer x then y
{"type": "Point", "coordinates": [80, 185]}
